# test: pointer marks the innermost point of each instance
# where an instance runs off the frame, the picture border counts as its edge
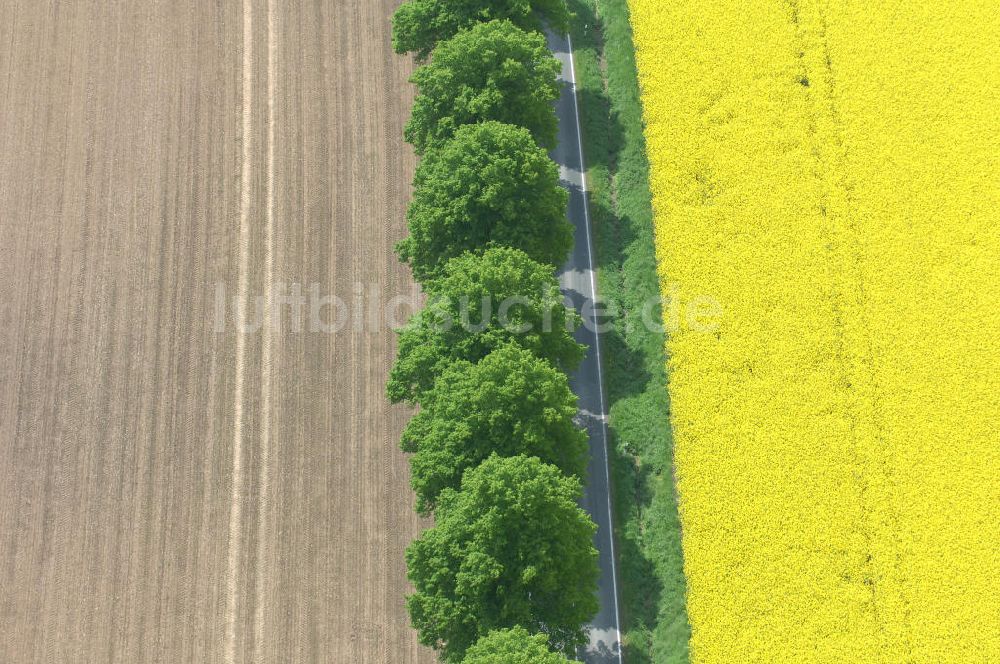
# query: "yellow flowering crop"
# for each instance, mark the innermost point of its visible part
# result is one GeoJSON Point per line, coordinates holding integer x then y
{"type": "Point", "coordinates": [829, 171]}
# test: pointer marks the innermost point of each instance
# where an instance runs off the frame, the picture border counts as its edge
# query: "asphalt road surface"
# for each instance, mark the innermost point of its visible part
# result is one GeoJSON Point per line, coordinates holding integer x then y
{"type": "Point", "coordinates": [173, 489]}
{"type": "Point", "coordinates": [578, 283]}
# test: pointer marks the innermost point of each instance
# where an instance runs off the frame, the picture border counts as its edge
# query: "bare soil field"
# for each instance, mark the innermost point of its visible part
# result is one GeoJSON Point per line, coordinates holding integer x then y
{"type": "Point", "coordinates": [173, 490]}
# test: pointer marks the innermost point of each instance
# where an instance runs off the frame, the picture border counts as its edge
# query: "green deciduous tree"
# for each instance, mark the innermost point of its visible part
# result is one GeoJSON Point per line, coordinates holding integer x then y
{"type": "Point", "coordinates": [482, 302]}
{"type": "Point", "coordinates": [513, 646]}
{"type": "Point", "coordinates": [492, 71]}
{"type": "Point", "coordinates": [491, 183]}
{"type": "Point", "coordinates": [512, 547]}
{"type": "Point", "coordinates": [510, 403]}
{"type": "Point", "coordinates": [418, 25]}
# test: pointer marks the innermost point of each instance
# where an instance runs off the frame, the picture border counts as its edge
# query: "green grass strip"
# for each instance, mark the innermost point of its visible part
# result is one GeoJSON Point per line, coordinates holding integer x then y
{"type": "Point", "coordinates": [654, 619]}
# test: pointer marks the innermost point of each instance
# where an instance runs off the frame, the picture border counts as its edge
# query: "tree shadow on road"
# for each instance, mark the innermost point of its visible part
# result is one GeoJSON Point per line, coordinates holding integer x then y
{"type": "Point", "coordinates": [647, 524]}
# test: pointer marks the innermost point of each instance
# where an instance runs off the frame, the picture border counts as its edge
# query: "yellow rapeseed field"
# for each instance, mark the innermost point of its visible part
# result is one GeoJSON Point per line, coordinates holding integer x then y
{"type": "Point", "coordinates": [829, 171]}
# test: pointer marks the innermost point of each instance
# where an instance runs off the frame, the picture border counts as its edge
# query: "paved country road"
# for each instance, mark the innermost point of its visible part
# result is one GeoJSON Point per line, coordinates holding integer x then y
{"type": "Point", "coordinates": [169, 491]}
{"type": "Point", "coordinates": [578, 282]}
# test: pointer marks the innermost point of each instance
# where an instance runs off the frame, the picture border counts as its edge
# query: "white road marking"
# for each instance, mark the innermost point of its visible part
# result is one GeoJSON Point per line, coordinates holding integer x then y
{"type": "Point", "coordinates": [597, 343]}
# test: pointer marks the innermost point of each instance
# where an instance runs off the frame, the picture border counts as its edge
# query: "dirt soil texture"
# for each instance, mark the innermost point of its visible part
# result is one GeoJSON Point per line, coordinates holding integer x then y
{"type": "Point", "coordinates": [173, 489]}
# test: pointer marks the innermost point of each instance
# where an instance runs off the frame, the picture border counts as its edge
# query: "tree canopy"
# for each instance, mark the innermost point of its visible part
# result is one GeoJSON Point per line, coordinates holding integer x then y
{"type": "Point", "coordinates": [490, 183]}
{"type": "Point", "coordinates": [510, 403]}
{"type": "Point", "coordinates": [512, 547]}
{"type": "Point", "coordinates": [418, 25]}
{"type": "Point", "coordinates": [492, 71]}
{"type": "Point", "coordinates": [513, 646]}
{"type": "Point", "coordinates": [480, 303]}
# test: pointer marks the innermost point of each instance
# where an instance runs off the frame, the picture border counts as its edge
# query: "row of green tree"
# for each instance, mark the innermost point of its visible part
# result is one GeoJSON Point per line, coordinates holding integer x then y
{"type": "Point", "coordinates": [508, 572]}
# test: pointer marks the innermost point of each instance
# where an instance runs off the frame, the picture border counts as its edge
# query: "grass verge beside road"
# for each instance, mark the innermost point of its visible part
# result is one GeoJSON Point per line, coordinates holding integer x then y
{"type": "Point", "coordinates": [654, 621]}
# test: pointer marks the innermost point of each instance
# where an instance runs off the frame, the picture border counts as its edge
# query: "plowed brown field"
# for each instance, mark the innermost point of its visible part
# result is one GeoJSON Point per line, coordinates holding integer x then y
{"type": "Point", "coordinates": [172, 490]}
